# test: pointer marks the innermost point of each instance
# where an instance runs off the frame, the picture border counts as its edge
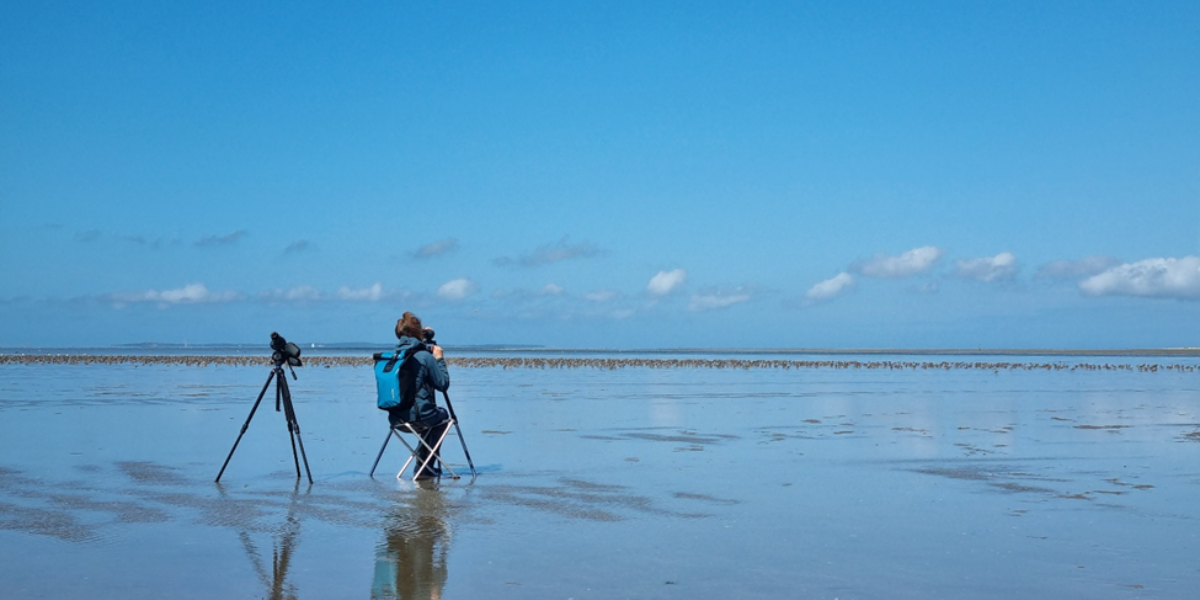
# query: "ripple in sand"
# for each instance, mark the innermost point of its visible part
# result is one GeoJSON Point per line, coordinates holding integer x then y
{"type": "Point", "coordinates": [41, 521]}
{"type": "Point", "coordinates": [580, 499]}
{"type": "Point", "coordinates": [147, 472]}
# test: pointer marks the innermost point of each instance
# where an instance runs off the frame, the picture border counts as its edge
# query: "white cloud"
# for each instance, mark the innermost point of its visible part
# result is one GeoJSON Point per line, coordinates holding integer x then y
{"type": "Point", "coordinates": [300, 293]}
{"type": "Point", "coordinates": [192, 293]}
{"type": "Point", "coordinates": [666, 282]}
{"type": "Point", "coordinates": [601, 295]}
{"type": "Point", "coordinates": [563, 250]}
{"type": "Point", "coordinates": [552, 253]}
{"type": "Point", "coordinates": [1000, 267]}
{"type": "Point", "coordinates": [209, 241]}
{"type": "Point", "coordinates": [457, 289]}
{"type": "Point", "coordinates": [718, 299]}
{"type": "Point", "coordinates": [298, 246]}
{"type": "Point", "coordinates": [917, 260]}
{"type": "Point", "coordinates": [437, 248]}
{"type": "Point", "coordinates": [1075, 269]}
{"type": "Point", "coordinates": [1153, 277]}
{"type": "Point", "coordinates": [551, 289]}
{"type": "Point", "coordinates": [834, 286]}
{"type": "Point", "coordinates": [369, 294]}
{"type": "Point", "coordinates": [88, 236]}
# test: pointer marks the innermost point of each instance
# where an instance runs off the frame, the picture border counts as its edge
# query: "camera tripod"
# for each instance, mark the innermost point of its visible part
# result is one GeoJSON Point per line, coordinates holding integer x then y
{"type": "Point", "coordinates": [429, 334]}
{"type": "Point", "coordinates": [283, 397]}
{"type": "Point", "coordinates": [458, 429]}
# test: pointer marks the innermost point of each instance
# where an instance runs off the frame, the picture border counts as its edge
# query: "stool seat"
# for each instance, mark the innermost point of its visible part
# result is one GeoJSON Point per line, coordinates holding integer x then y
{"type": "Point", "coordinates": [419, 426]}
{"type": "Point", "coordinates": [416, 428]}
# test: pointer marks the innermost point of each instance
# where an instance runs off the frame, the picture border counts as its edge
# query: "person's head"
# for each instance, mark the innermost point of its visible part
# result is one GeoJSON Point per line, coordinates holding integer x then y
{"type": "Point", "coordinates": [409, 325]}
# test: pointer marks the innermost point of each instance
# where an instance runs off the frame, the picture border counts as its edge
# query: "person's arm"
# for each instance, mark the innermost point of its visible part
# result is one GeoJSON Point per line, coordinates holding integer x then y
{"type": "Point", "coordinates": [439, 376]}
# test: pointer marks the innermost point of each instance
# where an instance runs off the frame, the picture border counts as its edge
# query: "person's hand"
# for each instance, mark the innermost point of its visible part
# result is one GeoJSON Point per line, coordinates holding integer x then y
{"type": "Point", "coordinates": [437, 352]}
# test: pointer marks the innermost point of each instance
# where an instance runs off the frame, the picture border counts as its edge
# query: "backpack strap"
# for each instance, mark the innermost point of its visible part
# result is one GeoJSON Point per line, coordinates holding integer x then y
{"type": "Point", "coordinates": [415, 349]}
{"type": "Point", "coordinates": [397, 357]}
{"type": "Point", "coordinates": [406, 375]}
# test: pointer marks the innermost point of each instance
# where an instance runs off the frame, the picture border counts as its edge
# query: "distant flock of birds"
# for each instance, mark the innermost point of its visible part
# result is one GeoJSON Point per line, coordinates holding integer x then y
{"type": "Point", "coordinates": [594, 363]}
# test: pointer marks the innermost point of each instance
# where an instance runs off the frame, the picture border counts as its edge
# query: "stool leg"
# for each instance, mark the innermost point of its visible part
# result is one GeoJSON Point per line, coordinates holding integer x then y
{"type": "Point", "coordinates": [439, 450]}
{"type": "Point", "coordinates": [434, 451]}
{"type": "Point", "coordinates": [380, 455]}
{"type": "Point", "coordinates": [412, 451]}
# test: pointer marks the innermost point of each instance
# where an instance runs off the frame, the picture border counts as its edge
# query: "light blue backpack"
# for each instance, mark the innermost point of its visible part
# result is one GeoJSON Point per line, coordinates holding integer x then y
{"type": "Point", "coordinates": [396, 379]}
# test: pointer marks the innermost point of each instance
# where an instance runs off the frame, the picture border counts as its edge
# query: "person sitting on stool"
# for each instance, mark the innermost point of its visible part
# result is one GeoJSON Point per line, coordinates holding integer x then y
{"type": "Point", "coordinates": [432, 377]}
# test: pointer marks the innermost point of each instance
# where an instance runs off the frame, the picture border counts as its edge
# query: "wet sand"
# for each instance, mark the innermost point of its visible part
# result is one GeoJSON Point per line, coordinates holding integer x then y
{"type": "Point", "coordinates": [638, 480]}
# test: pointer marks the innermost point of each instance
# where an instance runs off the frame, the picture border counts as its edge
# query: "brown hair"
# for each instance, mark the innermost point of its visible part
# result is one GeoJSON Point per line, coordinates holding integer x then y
{"type": "Point", "coordinates": [409, 325]}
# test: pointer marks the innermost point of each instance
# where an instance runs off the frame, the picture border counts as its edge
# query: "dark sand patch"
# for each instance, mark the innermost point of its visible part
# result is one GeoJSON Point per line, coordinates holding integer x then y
{"type": "Point", "coordinates": [679, 436]}
{"type": "Point", "coordinates": [705, 498]}
{"type": "Point", "coordinates": [1076, 496]}
{"type": "Point", "coordinates": [580, 499]}
{"type": "Point", "coordinates": [1020, 488]}
{"type": "Point", "coordinates": [1003, 478]}
{"type": "Point", "coordinates": [148, 472]}
{"type": "Point", "coordinates": [41, 521]}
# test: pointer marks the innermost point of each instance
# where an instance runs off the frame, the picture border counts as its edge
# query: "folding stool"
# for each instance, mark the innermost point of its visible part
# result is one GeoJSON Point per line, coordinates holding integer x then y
{"type": "Point", "coordinates": [416, 429]}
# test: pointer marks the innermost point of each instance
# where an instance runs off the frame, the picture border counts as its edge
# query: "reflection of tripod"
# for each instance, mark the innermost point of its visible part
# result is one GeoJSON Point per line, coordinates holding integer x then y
{"type": "Point", "coordinates": [286, 539]}
{"type": "Point", "coordinates": [282, 396]}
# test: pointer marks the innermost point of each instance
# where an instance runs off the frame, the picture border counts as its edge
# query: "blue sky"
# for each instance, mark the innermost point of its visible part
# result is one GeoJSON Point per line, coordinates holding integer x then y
{"type": "Point", "coordinates": [616, 174]}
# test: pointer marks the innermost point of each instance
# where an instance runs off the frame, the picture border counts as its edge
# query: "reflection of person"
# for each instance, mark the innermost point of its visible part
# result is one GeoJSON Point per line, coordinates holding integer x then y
{"type": "Point", "coordinates": [410, 562]}
{"type": "Point", "coordinates": [432, 377]}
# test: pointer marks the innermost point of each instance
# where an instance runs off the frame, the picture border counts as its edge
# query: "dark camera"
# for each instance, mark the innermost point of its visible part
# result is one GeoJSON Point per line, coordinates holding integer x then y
{"type": "Point", "coordinates": [429, 336]}
{"type": "Point", "coordinates": [285, 351]}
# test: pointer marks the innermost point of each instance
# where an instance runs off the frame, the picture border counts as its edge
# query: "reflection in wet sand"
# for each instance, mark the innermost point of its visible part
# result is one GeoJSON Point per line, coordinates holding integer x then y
{"type": "Point", "coordinates": [284, 542]}
{"type": "Point", "coordinates": [410, 562]}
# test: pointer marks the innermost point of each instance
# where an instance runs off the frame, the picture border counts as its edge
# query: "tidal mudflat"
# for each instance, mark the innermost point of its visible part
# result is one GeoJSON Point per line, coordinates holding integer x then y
{"type": "Point", "coordinates": [632, 482]}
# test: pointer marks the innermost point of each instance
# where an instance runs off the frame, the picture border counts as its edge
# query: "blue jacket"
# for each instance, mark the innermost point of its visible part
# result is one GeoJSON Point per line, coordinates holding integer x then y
{"type": "Point", "coordinates": [431, 375]}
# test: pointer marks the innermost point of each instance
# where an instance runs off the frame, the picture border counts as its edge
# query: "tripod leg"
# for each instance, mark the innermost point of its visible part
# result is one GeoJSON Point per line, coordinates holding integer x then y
{"type": "Point", "coordinates": [245, 425]}
{"type": "Point", "coordinates": [295, 457]}
{"type": "Point", "coordinates": [279, 387]}
{"type": "Point", "coordinates": [458, 430]}
{"type": "Point", "coordinates": [294, 428]}
{"type": "Point", "coordinates": [303, 456]}
{"type": "Point", "coordinates": [464, 446]}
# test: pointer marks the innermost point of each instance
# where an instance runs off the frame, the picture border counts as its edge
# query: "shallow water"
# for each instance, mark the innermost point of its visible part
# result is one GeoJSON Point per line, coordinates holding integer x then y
{"type": "Point", "coordinates": [633, 483]}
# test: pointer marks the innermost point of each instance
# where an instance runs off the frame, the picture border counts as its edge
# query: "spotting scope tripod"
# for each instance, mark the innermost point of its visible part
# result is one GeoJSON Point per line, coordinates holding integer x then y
{"type": "Point", "coordinates": [289, 354]}
{"type": "Point", "coordinates": [429, 341]}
